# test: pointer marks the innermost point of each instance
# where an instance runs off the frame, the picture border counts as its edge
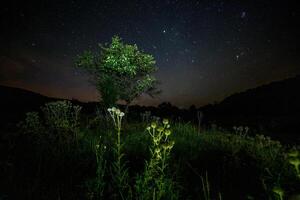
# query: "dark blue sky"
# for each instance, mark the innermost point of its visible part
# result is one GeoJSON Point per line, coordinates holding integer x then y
{"type": "Point", "coordinates": [205, 50]}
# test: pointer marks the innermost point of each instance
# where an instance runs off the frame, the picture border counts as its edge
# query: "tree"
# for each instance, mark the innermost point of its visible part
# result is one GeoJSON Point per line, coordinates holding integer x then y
{"type": "Point", "coordinates": [120, 71]}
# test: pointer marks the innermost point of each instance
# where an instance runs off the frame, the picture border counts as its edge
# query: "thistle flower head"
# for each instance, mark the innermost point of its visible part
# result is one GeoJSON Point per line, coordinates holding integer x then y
{"type": "Point", "coordinates": [293, 153]}
{"type": "Point", "coordinates": [157, 151]}
{"type": "Point", "coordinates": [278, 191]}
{"type": "Point", "coordinates": [158, 156]}
{"type": "Point", "coordinates": [294, 161]}
{"type": "Point", "coordinates": [160, 129]}
{"type": "Point", "coordinates": [153, 125]}
{"type": "Point", "coordinates": [121, 114]}
{"type": "Point", "coordinates": [167, 132]}
{"type": "Point", "coordinates": [117, 111]}
{"type": "Point", "coordinates": [156, 140]}
{"type": "Point", "coordinates": [165, 121]}
{"type": "Point", "coordinates": [169, 146]}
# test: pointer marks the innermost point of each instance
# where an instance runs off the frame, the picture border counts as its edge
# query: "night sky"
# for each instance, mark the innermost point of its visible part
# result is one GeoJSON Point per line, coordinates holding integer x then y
{"type": "Point", "coordinates": [205, 50]}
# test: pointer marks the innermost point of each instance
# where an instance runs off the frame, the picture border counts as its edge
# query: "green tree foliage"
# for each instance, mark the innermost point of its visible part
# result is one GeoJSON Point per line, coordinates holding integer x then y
{"type": "Point", "coordinates": [120, 71]}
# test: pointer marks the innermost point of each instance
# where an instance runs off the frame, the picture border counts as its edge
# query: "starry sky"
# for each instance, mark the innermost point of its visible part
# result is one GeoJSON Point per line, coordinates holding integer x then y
{"type": "Point", "coordinates": [205, 50]}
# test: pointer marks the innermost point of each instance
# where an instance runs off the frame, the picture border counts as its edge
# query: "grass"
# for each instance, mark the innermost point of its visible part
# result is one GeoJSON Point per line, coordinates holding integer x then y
{"type": "Point", "coordinates": [60, 162]}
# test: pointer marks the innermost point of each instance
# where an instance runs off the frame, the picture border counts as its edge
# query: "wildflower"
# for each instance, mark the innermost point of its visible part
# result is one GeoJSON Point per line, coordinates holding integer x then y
{"type": "Point", "coordinates": [117, 111]}
{"type": "Point", "coordinates": [121, 114]}
{"type": "Point", "coordinates": [148, 128]}
{"type": "Point", "coordinates": [171, 145]}
{"type": "Point", "coordinates": [97, 146]}
{"type": "Point", "coordinates": [167, 132]}
{"type": "Point", "coordinates": [109, 109]}
{"type": "Point", "coordinates": [168, 146]}
{"type": "Point", "coordinates": [278, 191]}
{"type": "Point", "coordinates": [165, 121]}
{"type": "Point", "coordinates": [156, 140]}
{"type": "Point", "coordinates": [294, 153]}
{"type": "Point", "coordinates": [160, 129]}
{"type": "Point", "coordinates": [246, 129]}
{"type": "Point", "coordinates": [165, 146]}
{"type": "Point", "coordinates": [157, 151]}
{"type": "Point", "coordinates": [158, 156]}
{"type": "Point", "coordinates": [295, 162]}
{"type": "Point", "coordinates": [153, 125]}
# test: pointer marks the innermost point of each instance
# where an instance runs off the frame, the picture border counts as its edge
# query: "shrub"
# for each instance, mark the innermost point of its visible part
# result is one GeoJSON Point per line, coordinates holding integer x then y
{"type": "Point", "coordinates": [62, 119]}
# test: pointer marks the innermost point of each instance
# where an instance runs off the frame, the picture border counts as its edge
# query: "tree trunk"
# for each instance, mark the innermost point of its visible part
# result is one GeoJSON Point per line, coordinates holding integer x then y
{"type": "Point", "coordinates": [126, 112]}
{"type": "Point", "coordinates": [126, 108]}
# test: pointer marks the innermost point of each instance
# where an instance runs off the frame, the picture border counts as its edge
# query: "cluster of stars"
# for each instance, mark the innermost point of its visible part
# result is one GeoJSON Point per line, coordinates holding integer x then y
{"type": "Point", "coordinates": [189, 40]}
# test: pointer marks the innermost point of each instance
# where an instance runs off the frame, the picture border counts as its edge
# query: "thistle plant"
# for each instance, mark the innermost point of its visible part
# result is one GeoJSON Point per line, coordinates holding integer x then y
{"type": "Point", "coordinates": [154, 183]}
{"type": "Point", "coordinates": [62, 118]}
{"type": "Point", "coordinates": [161, 146]}
{"type": "Point", "coordinates": [119, 170]}
{"type": "Point", "coordinates": [293, 159]}
{"type": "Point", "coordinates": [205, 187]}
{"type": "Point", "coordinates": [279, 192]}
{"type": "Point", "coordinates": [97, 185]}
{"type": "Point", "coordinates": [33, 126]}
{"type": "Point", "coordinates": [241, 130]}
{"type": "Point", "coordinates": [146, 116]}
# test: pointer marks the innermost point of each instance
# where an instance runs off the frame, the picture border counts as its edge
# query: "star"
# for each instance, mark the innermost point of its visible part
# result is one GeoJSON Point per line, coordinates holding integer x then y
{"type": "Point", "coordinates": [243, 15]}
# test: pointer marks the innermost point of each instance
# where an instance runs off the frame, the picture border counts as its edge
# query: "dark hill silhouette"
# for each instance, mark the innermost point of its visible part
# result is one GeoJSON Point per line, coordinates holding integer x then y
{"type": "Point", "coordinates": [272, 109]}
{"type": "Point", "coordinates": [15, 102]}
{"type": "Point", "coordinates": [20, 97]}
{"type": "Point", "coordinates": [276, 98]}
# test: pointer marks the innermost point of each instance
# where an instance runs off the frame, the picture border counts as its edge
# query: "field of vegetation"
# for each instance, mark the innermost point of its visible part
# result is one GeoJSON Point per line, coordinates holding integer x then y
{"type": "Point", "coordinates": [59, 152]}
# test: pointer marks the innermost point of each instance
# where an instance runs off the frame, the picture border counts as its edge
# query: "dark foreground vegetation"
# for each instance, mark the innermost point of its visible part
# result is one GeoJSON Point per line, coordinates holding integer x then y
{"type": "Point", "coordinates": [58, 152]}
